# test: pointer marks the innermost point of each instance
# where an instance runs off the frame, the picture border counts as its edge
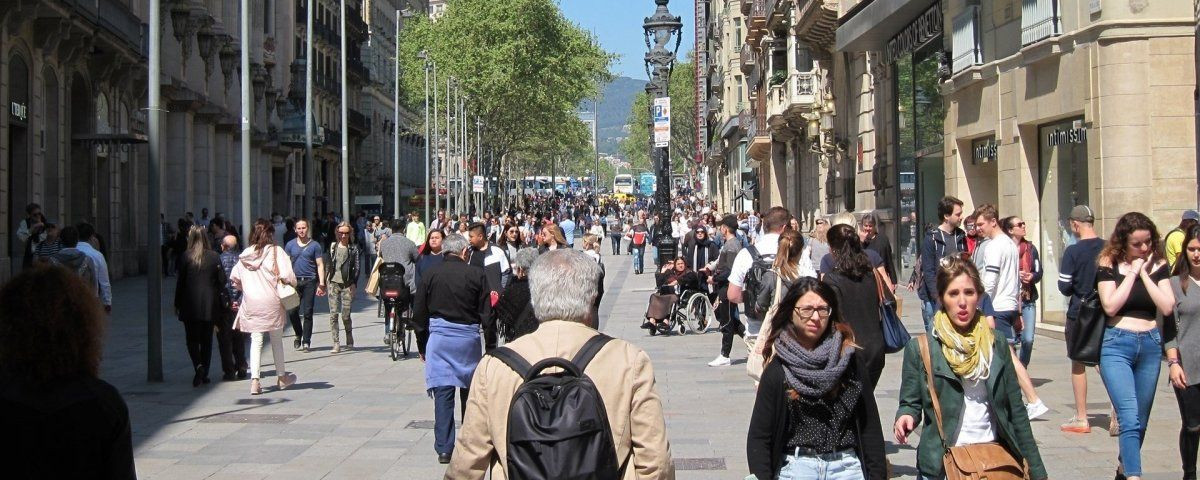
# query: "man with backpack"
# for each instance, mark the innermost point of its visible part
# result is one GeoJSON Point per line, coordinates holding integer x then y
{"type": "Point", "coordinates": [605, 407]}
{"type": "Point", "coordinates": [747, 282]}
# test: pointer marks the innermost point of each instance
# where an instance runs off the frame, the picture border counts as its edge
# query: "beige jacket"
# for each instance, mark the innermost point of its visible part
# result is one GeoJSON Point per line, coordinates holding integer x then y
{"type": "Point", "coordinates": [622, 374]}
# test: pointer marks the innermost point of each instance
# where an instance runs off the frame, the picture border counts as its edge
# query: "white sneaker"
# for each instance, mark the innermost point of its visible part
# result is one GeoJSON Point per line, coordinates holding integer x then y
{"type": "Point", "coordinates": [720, 361]}
{"type": "Point", "coordinates": [1036, 409]}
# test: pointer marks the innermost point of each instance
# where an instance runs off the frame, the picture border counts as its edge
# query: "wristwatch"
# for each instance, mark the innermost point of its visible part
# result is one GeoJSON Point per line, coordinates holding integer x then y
{"type": "Point", "coordinates": [1172, 361]}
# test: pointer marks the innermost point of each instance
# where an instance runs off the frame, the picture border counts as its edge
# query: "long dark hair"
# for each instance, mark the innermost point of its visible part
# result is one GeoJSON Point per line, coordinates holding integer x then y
{"type": "Point", "coordinates": [504, 243]}
{"type": "Point", "coordinates": [849, 259]}
{"type": "Point", "coordinates": [1182, 265]}
{"type": "Point", "coordinates": [1130, 222]}
{"type": "Point", "coordinates": [52, 305]}
{"type": "Point", "coordinates": [427, 250]}
{"type": "Point", "coordinates": [782, 320]}
{"type": "Point", "coordinates": [263, 236]}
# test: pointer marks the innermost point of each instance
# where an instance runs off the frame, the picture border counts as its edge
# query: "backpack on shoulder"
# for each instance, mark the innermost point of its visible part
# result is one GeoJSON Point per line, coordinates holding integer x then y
{"type": "Point", "coordinates": [759, 284]}
{"type": "Point", "coordinates": [557, 425]}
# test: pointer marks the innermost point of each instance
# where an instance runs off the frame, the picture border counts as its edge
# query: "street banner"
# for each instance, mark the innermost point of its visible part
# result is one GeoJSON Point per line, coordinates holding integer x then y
{"type": "Point", "coordinates": [662, 122]}
{"type": "Point", "coordinates": [477, 184]}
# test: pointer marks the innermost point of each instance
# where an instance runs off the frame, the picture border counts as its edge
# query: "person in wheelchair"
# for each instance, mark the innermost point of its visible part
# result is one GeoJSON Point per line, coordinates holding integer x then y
{"type": "Point", "coordinates": [674, 279]}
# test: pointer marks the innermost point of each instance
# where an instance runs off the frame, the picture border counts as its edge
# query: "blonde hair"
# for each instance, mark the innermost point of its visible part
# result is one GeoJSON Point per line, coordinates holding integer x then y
{"type": "Point", "coordinates": [197, 244]}
{"type": "Point", "coordinates": [844, 218]}
{"type": "Point", "coordinates": [591, 242]}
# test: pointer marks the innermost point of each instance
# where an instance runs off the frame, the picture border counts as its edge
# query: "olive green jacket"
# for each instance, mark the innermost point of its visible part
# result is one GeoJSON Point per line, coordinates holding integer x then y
{"type": "Point", "coordinates": [1009, 416]}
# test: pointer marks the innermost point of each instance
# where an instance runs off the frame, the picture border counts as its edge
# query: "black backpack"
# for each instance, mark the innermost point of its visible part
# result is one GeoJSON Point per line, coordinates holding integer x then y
{"type": "Point", "coordinates": [759, 284]}
{"type": "Point", "coordinates": [557, 425]}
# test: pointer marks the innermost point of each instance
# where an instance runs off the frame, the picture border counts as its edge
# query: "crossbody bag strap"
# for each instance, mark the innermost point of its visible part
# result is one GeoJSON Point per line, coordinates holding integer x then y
{"type": "Point", "coordinates": [923, 341]}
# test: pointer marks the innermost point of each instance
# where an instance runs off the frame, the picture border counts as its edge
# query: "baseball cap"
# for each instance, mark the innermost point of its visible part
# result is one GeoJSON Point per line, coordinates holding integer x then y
{"type": "Point", "coordinates": [1083, 213]}
{"type": "Point", "coordinates": [1191, 215]}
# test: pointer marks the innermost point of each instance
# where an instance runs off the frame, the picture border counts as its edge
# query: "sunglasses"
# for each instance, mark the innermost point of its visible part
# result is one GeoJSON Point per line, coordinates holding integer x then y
{"type": "Point", "coordinates": [343, 232]}
{"type": "Point", "coordinates": [1018, 224]}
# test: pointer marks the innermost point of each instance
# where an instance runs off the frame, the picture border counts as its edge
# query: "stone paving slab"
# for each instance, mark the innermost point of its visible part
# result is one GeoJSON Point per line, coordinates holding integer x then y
{"type": "Point", "coordinates": [360, 415]}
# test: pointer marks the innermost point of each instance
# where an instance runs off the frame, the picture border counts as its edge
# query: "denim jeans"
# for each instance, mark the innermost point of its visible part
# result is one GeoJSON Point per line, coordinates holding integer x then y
{"type": "Point", "coordinates": [928, 310]}
{"type": "Point", "coordinates": [302, 317]}
{"type": "Point", "coordinates": [832, 466]}
{"type": "Point", "coordinates": [638, 253]}
{"type": "Point", "coordinates": [616, 244]}
{"type": "Point", "coordinates": [1029, 318]}
{"type": "Point", "coordinates": [443, 416]}
{"type": "Point", "coordinates": [1129, 366]}
{"type": "Point", "coordinates": [1004, 325]}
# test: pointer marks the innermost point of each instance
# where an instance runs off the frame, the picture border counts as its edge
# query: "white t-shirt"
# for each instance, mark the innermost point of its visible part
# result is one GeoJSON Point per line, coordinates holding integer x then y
{"type": "Point", "coordinates": [767, 244]}
{"type": "Point", "coordinates": [1000, 273]}
{"type": "Point", "coordinates": [976, 426]}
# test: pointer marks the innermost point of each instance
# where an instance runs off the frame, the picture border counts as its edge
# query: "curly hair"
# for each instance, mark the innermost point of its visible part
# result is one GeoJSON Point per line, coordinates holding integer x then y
{"type": "Point", "coordinates": [51, 327]}
{"type": "Point", "coordinates": [1114, 249]}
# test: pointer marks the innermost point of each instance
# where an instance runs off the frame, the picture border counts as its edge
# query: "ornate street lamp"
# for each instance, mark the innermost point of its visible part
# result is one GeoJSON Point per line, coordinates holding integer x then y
{"type": "Point", "coordinates": [659, 29]}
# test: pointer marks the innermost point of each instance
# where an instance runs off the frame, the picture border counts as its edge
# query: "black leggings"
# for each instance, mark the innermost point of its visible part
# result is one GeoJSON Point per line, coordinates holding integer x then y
{"type": "Point", "coordinates": [729, 326]}
{"type": "Point", "coordinates": [1189, 432]}
{"type": "Point", "coordinates": [199, 336]}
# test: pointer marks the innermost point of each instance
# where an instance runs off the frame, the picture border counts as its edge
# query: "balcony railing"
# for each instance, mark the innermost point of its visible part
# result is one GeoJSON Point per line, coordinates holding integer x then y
{"type": "Point", "coordinates": [792, 98]}
{"type": "Point", "coordinates": [746, 6]}
{"type": "Point", "coordinates": [714, 103]}
{"type": "Point", "coordinates": [758, 12]}
{"type": "Point", "coordinates": [1040, 19]}
{"type": "Point", "coordinates": [747, 58]}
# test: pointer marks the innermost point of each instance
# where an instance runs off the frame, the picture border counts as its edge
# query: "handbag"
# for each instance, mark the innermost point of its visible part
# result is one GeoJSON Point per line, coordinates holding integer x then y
{"type": "Point", "coordinates": [895, 336]}
{"type": "Point", "coordinates": [288, 296]}
{"type": "Point", "coordinates": [1085, 333]}
{"type": "Point", "coordinates": [977, 461]}
{"type": "Point", "coordinates": [373, 279]}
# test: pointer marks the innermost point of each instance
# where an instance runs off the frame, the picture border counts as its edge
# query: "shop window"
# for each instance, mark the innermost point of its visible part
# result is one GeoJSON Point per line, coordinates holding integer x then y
{"type": "Point", "coordinates": [1062, 184]}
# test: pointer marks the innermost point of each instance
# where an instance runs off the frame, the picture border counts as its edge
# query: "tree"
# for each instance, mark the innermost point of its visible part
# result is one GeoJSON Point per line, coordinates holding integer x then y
{"type": "Point", "coordinates": [682, 90]}
{"type": "Point", "coordinates": [523, 66]}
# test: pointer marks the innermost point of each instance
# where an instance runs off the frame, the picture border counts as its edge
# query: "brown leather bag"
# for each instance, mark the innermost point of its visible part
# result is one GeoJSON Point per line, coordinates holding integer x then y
{"type": "Point", "coordinates": [980, 461]}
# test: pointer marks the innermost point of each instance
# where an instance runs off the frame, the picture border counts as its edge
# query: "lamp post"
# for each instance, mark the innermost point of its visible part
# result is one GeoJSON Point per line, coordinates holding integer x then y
{"type": "Point", "coordinates": [659, 29]}
{"type": "Point", "coordinates": [428, 66]}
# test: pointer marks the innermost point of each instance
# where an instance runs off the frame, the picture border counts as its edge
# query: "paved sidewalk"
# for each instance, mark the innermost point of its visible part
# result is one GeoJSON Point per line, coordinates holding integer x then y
{"type": "Point", "coordinates": [360, 415]}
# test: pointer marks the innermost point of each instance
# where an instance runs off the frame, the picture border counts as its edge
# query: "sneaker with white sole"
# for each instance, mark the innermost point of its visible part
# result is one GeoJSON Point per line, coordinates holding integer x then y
{"type": "Point", "coordinates": [720, 361]}
{"type": "Point", "coordinates": [1036, 409]}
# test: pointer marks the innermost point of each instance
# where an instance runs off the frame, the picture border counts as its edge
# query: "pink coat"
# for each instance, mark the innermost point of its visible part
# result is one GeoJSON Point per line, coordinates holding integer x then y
{"type": "Point", "coordinates": [254, 275]}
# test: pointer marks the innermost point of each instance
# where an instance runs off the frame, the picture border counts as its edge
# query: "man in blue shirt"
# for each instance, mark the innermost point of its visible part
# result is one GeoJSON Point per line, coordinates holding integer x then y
{"type": "Point", "coordinates": [308, 261]}
{"type": "Point", "coordinates": [568, 228]}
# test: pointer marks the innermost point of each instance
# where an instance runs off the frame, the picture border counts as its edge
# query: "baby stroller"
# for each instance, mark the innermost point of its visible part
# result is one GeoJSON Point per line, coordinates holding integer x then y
{"type": "Point", "coordinates": [396, 299]}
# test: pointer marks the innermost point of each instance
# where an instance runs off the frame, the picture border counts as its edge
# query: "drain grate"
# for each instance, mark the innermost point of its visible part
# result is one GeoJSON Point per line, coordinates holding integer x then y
{"type": "Point", "coordinates": [250, 418]}
{"type": "Point", "coordinates": [699, 464]}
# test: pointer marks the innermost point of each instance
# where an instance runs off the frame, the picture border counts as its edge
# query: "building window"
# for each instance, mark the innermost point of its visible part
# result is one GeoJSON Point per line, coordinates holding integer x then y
{"type": "Point", "coordinates": [1040, 19]}
{"type": "Point", "coordinates": [966, 41]}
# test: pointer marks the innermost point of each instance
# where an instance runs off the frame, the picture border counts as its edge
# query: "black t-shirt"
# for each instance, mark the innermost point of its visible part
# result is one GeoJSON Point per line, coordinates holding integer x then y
{"type": "Point", "coordinates": [872, 256]}
{"type": "Point", "coordinates": [1139, 304]}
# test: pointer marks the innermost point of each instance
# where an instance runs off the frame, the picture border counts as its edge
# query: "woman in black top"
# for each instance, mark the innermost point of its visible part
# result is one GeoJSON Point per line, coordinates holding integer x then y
{"type": "Point", "coordinates": [198, 299]}
{"type": "Point", "coordinates": [814, 413]}
{"type": "Point", "coordinates": [854, 282]}
{"type": "Point", "coordinates": [514, 310]}
{"type": "Point", "coordinates": [1132, 280]}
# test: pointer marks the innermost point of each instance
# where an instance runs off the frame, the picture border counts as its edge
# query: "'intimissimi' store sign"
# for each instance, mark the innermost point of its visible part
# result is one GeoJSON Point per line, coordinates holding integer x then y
{"type": "Point", "coordinates": [925, 28]}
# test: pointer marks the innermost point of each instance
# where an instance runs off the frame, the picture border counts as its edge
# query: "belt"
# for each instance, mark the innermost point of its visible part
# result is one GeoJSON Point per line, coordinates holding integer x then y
{"type": "Point", "coordinates": [305, 278]}
{"type": "Point", "coordinates": [812, 452]}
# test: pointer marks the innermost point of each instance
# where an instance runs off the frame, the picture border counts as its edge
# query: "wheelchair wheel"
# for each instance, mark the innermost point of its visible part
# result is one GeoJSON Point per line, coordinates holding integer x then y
{"type": "Point", "coordinates": [694, 314]}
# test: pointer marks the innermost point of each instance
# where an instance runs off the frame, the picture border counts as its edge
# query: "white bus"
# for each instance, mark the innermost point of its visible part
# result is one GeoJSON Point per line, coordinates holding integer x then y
{"type": "Point", "coordinates": [623, 183]}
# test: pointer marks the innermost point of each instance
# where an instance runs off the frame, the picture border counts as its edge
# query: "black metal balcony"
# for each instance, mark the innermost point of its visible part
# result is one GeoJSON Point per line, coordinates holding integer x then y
{"type": "Point", "coordinates": [358, 123]}
{"type": "Point", "coordinates": [358, 71]}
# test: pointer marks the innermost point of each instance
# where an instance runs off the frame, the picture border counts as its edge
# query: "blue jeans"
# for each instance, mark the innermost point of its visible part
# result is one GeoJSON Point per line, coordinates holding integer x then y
{"type": "Point", "coordinates": [832, 466]}
{"type": "Point", "coordinates": [443, 416]}
{"type": "Point", "coordinates": [928, 310]}
{"type": "Point", "coordinates": [1004, 325]}
{"type": "Point", "coordinates": [1129, 366]}
{"type": "Point", "coordinates": [638, 253]}
{"type": "Point", "coordinates": [302, 316]}
{"type": "Point", "coordinates": [1029, 317]}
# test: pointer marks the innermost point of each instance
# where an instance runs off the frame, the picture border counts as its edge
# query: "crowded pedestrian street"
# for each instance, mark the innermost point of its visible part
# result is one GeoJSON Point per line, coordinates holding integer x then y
{"type": "Point", "coordinates": [359, 415]}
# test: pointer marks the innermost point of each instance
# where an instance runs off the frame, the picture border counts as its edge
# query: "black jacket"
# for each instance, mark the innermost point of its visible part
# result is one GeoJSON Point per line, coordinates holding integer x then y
{"type": "Point", "coordinates": [697, 254]}
{"type": "Point", "coordinates": [769, 422]}
{"type": "Point", "coordinates": [454, 291]}
{"type": "Point", "coordinates": [198, 289]}
{"type": "Point", "coordinates": [881, 245]}
{"type": "Point", "coordinates": [349, 268]}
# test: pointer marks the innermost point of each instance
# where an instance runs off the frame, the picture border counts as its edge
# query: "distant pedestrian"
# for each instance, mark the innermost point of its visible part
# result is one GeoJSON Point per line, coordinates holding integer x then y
{"type": "Point", "coordinates": [563, 287]}
{"type": "Point", "coordinates": [1030, 267]}
{"type": "Point", "coordinates": [198, 300]}
{"type": "Point", "coordinates": [263, 266]}
{"type": "Point", "coordinates": [60, 419]}
{"type": "Point", "coordinates": [874, 239]}
{"type": "Point", "coordinates": [431, 254]}
{"type": "Point", "coordinates": [514, 311]}
{"type": "Point", "coordinates": [342, 280]}
{"type": "Point", "coordinates": [1076, 280]}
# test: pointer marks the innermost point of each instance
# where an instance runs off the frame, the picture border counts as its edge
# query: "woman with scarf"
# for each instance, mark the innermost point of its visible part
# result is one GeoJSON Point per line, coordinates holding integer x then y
{"type": "Point", "coordinates": [701, 253]}
{"type": "Point", "coordinates": [1030, 267]}
{"type": "Point", "coordinates": [814, 415]}
{"type": "Point", "coordinates": [973, 376]}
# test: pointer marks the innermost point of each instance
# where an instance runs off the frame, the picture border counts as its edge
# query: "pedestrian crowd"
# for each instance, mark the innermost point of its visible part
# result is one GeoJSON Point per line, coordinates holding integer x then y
{"type": "Point", "coordinates": [505, 311]}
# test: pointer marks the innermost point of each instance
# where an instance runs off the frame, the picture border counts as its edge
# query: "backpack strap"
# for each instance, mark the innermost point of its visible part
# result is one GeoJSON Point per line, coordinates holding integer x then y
{"type": "Point", "coordinates": [512, 359]}
{"type": "Point", "coordinates": [589, 350]}
{"type": "Point", "coordinates": [754, 256]}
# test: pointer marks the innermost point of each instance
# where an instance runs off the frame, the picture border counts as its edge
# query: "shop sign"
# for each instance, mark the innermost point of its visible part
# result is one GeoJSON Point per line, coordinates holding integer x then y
{"type": "Point", "coordinates": [19, 111]}
{"type": "Point", "coordinates": [915, 35]}
{"type": "Point", "coordinates": [1076, 134]}
{"type": "Point", "coordinates": [984, 150]}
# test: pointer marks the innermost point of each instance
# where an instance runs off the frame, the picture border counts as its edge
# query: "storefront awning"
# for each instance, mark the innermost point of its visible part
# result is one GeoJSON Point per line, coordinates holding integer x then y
{"type": "Point", "coordinates": [870, 28]}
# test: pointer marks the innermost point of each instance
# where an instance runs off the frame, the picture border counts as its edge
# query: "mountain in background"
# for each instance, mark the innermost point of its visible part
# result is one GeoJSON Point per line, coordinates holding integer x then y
{"type": "Point", "coordinates": [614, 111]}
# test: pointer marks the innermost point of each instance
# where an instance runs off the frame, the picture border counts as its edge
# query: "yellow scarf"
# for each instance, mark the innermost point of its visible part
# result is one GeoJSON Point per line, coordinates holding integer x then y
{"type": "Point", "coordinates": [970, 355]}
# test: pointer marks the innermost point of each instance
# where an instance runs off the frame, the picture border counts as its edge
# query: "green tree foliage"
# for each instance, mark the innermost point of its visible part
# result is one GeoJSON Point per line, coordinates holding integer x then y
{"type": "Point", "coordinates": [682, 90]}
{"type": "Point", "coordinates": [523, 66]}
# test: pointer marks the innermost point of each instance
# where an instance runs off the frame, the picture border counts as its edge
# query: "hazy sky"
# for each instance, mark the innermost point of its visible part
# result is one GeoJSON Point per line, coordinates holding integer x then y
{"type": "Point", "coordinates": [618, 24]}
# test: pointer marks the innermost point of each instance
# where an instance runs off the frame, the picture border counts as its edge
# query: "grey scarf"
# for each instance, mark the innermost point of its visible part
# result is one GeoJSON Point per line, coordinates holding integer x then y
{"type": "Point", "coordinates": [813, 373]}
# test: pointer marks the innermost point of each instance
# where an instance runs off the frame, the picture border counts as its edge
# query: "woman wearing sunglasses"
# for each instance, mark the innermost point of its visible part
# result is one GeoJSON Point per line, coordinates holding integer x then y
{"type": "Point", "coordinates": [814, 415]}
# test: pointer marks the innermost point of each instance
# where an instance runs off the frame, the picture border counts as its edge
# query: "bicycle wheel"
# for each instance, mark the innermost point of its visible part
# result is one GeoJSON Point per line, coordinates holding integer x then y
{"type": "Point", "coordinates": [393, 347]}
